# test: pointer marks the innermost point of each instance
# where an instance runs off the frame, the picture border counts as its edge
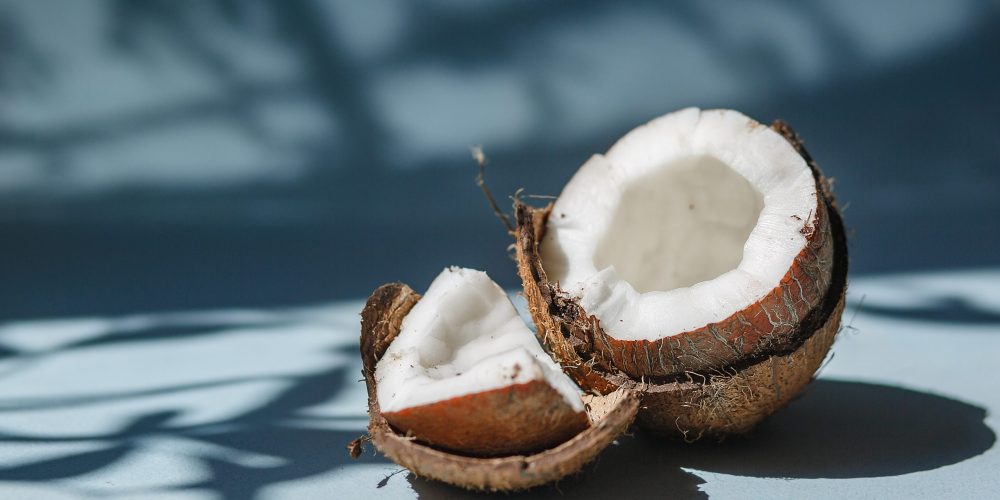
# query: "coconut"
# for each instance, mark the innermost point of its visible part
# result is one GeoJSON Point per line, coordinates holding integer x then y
{"type": "Point", "coordinates": [460, 391]}
{"type": "Point", "coordinates": [701, 262]}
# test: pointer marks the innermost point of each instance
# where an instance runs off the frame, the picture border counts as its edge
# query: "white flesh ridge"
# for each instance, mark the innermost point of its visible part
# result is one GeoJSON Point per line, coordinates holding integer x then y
{"type": "Point", "coordinates": [463, 337]}
{"type": "Point", "coordinates": [685, 221]}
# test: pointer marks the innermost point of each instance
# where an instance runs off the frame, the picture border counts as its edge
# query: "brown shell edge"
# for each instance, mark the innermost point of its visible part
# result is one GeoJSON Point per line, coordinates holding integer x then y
{"type": "Point", "coordinates": [611, 415]}
{"type": "Point", "coordinates": [722, 402]}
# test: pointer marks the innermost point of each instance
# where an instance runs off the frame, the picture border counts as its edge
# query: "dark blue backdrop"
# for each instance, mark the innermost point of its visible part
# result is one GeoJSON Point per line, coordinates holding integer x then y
{"type": "Point", "coordinates": [175, 154]}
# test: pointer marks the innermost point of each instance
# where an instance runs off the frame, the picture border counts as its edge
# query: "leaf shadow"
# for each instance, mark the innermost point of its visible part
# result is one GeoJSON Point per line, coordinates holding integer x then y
{"type": "Point", "coordinates": [946, 309]}
{"type": "Point", "coordinates": [278, 439]}
{"type": "Point", "coordinates": [66, 466]}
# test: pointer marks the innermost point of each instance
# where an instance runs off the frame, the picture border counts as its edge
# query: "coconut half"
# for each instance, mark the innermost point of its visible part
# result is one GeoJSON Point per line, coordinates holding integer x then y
{"type": "Point", "coordinates": [702, 261]}
{"type": "Point", "coordinates": [699, 238]}
{"type": "Point", "coordinates": [461, 391]}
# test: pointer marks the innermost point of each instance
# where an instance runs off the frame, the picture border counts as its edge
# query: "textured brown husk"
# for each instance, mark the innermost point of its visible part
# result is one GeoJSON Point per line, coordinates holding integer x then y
{"type": "Point", "coordinates": [713, 395]}
{"type": "Point", "coordinates": [610, 416]}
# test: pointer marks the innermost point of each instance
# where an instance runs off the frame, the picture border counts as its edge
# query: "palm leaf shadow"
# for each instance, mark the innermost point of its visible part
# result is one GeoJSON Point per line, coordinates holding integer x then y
{"type": "Point", "coordinates": [947, 309]}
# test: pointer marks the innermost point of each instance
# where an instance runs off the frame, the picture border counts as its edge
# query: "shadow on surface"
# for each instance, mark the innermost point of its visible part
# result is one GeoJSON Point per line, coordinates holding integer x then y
{"type": "Point", "coordinates": [845, 429]}
{"type": "Point", "coordinates": [258, 448]}
{"type": "Point", "coordinates": [838, 429]}
{"type": "Point", "coordinates": [948, 309]}
{"type": "Point", "coordinates": [276, 440]}
{"type": "Point", "coordinates": [632, 468]}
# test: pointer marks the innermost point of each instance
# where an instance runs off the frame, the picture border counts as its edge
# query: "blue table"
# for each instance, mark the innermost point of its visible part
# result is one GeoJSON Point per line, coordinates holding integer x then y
{"type": "Point", "coordinates": [261, 403]}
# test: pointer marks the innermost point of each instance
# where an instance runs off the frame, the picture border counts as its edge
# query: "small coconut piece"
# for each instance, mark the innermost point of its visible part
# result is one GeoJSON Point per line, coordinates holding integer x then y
{"type": "Point", "coordinates": [761, 345]}
{"type": "Point", "coordinates": [453, 427]}
{"type": "Point", "coordinates": [466, 374]}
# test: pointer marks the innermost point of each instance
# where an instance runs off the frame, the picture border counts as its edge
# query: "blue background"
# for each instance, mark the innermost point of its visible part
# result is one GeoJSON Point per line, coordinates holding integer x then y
{"type": "Point", "coordinates": [162, 155]}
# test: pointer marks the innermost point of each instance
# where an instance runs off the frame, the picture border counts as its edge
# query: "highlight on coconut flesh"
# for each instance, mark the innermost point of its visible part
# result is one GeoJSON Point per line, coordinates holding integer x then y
{"type": "Point", "coordinates": [460, 390]}
{"type": "Point", "coordinates": [700, 260]}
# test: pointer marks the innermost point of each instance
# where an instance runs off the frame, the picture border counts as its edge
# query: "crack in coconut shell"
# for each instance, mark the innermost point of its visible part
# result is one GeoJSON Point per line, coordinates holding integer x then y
{"type": "Point", "coordinates": [610, 416]}
{"type": "Point", "coordinates": [721, 385]}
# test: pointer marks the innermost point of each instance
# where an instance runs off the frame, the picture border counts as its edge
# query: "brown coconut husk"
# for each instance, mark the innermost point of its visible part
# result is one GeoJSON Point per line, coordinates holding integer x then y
{"type": "Point", "coordinates": [610, 415]}
{"type": "Point", "coordinates": [500, 428]}
{"type": "Point", "coordinates": [714, 394]}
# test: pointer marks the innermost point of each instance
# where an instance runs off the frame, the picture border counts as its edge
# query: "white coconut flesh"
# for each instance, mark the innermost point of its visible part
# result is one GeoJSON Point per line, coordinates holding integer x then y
{"type": "Point", "coordinates": [685, 221]}
{"type": "Point", "coordinates": [463, 337]}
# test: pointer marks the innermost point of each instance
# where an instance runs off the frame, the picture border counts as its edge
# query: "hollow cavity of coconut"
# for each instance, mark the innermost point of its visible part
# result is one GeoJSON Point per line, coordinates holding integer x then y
{"type": "Point", "coordinates": [460, 391]}
{"type": "Point", "coordinates": [702, 261]}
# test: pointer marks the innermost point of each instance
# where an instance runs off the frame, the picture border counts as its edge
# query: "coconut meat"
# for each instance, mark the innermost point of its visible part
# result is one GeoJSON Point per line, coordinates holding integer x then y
{"type": "Point", "coordinates": [464, 336]}
{"type": "Point", "coordinates": [685, 221]}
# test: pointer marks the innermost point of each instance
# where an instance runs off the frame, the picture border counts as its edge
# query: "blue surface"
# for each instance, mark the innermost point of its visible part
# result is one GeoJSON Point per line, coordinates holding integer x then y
{"type": "Point", "coordinates": [262, 403]}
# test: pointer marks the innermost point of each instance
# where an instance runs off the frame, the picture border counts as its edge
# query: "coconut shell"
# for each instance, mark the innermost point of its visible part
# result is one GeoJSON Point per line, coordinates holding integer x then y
{"type": "Point", "coordinates": [714, 395]}
{"type": "Point", "coordinates": [610, 415]}
{"type": "Point", "coordinates": [486, 424]}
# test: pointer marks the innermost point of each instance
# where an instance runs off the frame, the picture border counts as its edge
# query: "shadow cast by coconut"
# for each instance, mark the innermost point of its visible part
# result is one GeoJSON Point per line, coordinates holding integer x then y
{"type": "Point", "coordinates": [838, 429]}
{"type": "Point", "coordinates": [634, 467]}
{"type": "Point", "coordinates": [841, 429]}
